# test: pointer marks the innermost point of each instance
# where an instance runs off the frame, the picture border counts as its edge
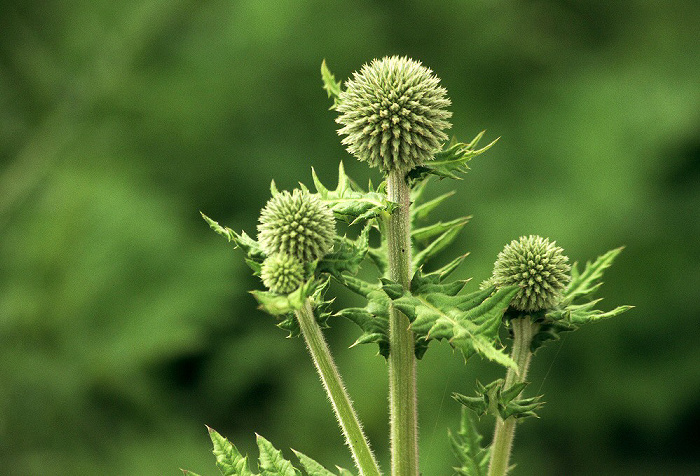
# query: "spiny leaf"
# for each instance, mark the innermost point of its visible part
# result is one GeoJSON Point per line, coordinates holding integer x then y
{"type": "Point", "coordinates": [331, 86]}
{"type": "Point", "coordinates": [466, 445]}
{"type": "Point", "coordinates": [493, 399]}
{"type": "Point", "coordinates": [589, 281]}
{"type": "Point", "coordinates": [349, 202]}
{"type": "Point", "coordinates": [469, 322]}
{"type": "Point", "coordinates": [272, 463]}
{"type": "Point", "coordinates": [254, 255]}
{"type": "Point", "coordinates": [347, 255]}
{"type": "Point", "coordinates": [188, 473]}
{"type": "Point", "coordinates": [373, 319]}
{"type": "Point", "coordinates": [312, 467]}
{"type": "Point", "coordinates": [428, 232]}
{"type": "Point", "coordinates": [569, 316]}
{"type": "Point", "coordinates": [228, 459]}
{"type": "Point", "coordinates": [450, 162]}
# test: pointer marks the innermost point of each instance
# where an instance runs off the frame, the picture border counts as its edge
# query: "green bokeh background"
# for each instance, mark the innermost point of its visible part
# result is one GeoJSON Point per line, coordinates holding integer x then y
{"type": "Point", "coordinates": [125, 323]}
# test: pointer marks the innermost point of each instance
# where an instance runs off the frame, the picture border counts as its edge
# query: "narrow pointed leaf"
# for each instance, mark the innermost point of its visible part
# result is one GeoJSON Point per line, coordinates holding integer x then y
{"type": "Point", "coordinates": [422, 211]}
{"type": "Point", "coordinates": [466, 445]}
{"type": "Point", "coordinates": [438, 244]}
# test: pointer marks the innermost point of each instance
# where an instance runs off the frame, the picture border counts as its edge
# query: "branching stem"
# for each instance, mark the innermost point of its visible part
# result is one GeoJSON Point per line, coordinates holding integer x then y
{"type": "Point", "coordinates": [523, 331]}
{"type": "Point", "coordinates": [403, 414]}
{"type": "Point", "coordinates": [338, 395]}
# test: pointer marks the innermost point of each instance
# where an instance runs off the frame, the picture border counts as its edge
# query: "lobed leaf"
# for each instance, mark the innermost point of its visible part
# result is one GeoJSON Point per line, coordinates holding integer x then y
{"type": "Point", "coordinates": [466, 445]}
{"type": "Point", "coordinates": [443, 240]}
{"type": "Point", "coordinates": [493, 399]}
{"type": "Point", "coordinates": [349, 202]}
{"type": "Point", "coordinates": [468, 322]}
{"type": "Point", "coordinates": [451, 161]}
{"type": "Point", "coordinates": [331, 86]}
{"type": "Point", "coordinates": [588, 282]}
{"type": "Point", "coordinates": [347, 254]}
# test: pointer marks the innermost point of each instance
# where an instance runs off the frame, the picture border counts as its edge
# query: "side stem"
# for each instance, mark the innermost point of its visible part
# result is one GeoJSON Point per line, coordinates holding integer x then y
{"type": "Point", "coordinates": [523, 331]}
{"type": "Point", "coordinates": [342, 405]}
{"type": "Point", "coordinates": [403, 413]}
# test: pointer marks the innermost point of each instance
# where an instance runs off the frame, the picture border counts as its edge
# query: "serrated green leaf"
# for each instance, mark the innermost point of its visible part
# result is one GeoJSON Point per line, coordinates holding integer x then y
{"type": "Point", "coordinates": [254, 254]}
{"type": "Point", "coordinates": [228, 459]}
{"type": "Point", "coordinates": [272, 463]}
{"type": "Point", "coordinates": [586, 283]}
{"type": "Point", "coordinates": [312, 467]}
{"type": "Point", "coordinates": [466, 445]}
{"type": "Point", "coordinates": [451, 161]}
{"type": "Point", "coordinates": [349, 202]}
{"type": "Point", "coordinates": [347, 255]}
{"type": "Point", "coordinates": [331, 86]}
{"type": "Point", "coordinates": [469, 322]}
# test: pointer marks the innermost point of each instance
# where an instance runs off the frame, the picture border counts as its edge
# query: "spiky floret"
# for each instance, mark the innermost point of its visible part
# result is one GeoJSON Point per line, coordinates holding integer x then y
{"type": "Point", "coordinates": [538, 266]}
{"type": "Point", "coordinates": [282, 273]}
{"type": "Point", "coordinates": [298, 224]}
{"type": "Point", "coordinates": [393, 113]}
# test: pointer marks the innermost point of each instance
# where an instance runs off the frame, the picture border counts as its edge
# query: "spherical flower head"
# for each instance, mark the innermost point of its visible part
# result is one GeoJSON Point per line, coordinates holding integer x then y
{"type": "Point", "coordinates": [282, 274]}
{"type": "Point", "coordinates": [297, 224]}
{"type": "Point", "coordinates": [393, 113]}
{"type": "Point", "coordinates": [538, 266]}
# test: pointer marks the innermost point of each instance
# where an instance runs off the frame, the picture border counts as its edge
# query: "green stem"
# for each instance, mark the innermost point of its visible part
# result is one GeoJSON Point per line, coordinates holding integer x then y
{"type": "Point", "coordinates": [403, 414]}
{"type": "Point", "coordinates": [523, 331]}
{"type": "Point", "coordinates": [342, 406]}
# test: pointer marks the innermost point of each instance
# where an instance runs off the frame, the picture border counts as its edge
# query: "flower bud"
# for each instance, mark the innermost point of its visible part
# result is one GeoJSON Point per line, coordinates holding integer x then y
{"type": "Point", "coordinates": [297, 224]}
{"type": "Point", "coordinates": [393, 113]}
{"type": "Point", "coordinates": [282, 274]}
{"type": "Point", "coordinates": [538, 267]}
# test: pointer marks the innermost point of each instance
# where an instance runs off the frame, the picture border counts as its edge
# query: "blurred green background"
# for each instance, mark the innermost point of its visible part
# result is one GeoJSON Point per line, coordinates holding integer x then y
{"type": "Point", "coordinates": [125, 323]}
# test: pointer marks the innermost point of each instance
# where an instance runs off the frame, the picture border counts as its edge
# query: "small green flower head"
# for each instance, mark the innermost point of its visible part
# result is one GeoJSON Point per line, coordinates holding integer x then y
{"type": "Point", "coordinates": [393, 113]}
{"type": "Point", "coordinates": [282, 273]}
{"type": "Point", "coordinates": [538, 266]}
{"type": "Point", "coordinates": [298, 224]}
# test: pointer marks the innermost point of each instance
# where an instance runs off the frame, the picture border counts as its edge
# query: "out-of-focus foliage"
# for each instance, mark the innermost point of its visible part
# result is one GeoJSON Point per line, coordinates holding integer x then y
{"type": "Point", "coordinates": [125, 325]}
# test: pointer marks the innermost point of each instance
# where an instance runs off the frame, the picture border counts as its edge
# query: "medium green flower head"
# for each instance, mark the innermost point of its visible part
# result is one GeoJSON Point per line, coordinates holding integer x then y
{"type": "Point", "coordinates": [393, 113]}
{"type": "Point", "coordinates": [282, 274]}
{"type": "Point", "coordinates": [297, 224]}
{"type": "Point", "coordinates": [538, 266]}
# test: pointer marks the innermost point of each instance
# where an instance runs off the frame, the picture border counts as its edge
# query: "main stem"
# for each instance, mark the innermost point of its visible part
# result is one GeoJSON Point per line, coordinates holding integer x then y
{"type": "Point", "coordinates": [403, 414]}
{"type": "Point", "coordinates": [523, 331]}
{"type": "Point", "coordinates": [342, 406]}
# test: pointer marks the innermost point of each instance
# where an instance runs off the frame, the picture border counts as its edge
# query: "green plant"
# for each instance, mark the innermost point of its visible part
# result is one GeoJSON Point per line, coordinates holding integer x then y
{"type": "Point", "coordinates": [393, 116]}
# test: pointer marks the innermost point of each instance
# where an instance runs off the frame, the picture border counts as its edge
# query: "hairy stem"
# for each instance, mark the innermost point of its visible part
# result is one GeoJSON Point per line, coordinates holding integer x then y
{"type": "Point", "coordinates": [523, 331]}
{"type": "Point", "coordinates": [403, 414]}
{"type": "Point", "coordinates": [342, 405]}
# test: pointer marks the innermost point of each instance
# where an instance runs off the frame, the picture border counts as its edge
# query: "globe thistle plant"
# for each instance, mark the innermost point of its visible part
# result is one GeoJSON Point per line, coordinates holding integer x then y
{"type": "Point", "coordinates": [297, 224]}
{"type": "Point", "coordinates": [393, 114]}
{"type": "Point", "coordinates": [282, 273]}
{"type": "Point", "coordinates": [538, 267]}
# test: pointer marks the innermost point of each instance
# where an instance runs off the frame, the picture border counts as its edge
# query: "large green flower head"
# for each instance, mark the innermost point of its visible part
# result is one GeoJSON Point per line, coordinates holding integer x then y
{"type": "Point", "coordinates": [393, 113]}
{"type": "Point", "coordinates": [282, 273]}
{"type": "Point", "coordinates": [538, 266]}
{"type": "Point", "coordinates": [298, 224]}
